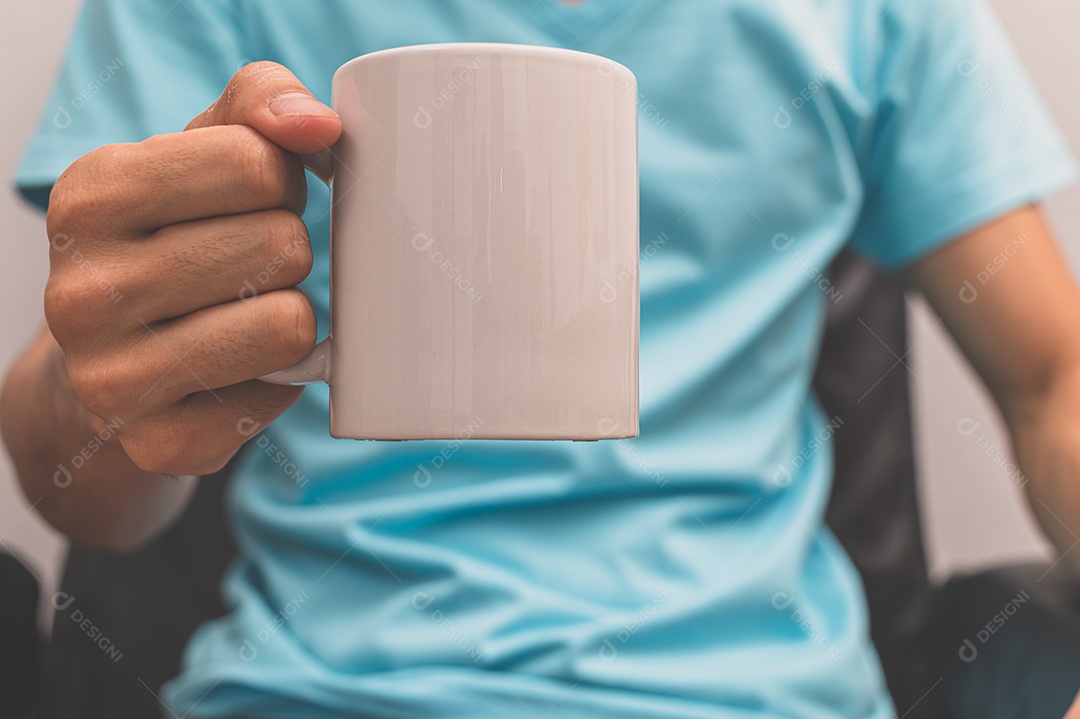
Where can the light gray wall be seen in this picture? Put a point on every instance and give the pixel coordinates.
(32, 39)
(973, 510)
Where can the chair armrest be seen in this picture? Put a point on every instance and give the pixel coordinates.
(20, 643)
(1007, 642)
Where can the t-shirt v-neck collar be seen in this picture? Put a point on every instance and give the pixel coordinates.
(575, 23)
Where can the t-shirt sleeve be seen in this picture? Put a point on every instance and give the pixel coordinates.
(961, 136)
(132, 69)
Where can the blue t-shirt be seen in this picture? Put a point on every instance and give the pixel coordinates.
(686, 573)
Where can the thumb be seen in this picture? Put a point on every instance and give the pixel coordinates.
(267, 97)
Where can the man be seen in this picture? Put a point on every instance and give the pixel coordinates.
(656, 578)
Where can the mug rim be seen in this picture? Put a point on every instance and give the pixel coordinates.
(487, 47)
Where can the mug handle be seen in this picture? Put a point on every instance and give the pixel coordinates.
(316, 366)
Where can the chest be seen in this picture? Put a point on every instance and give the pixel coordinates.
(751, 114)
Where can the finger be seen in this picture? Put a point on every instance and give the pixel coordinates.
(203, 263)
(200, 435)
(132, 189)
(231, 343)
(204, 351)
(269, 98)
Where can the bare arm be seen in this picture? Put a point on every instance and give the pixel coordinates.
(159, 317)
(70, 463)
(1020, 327)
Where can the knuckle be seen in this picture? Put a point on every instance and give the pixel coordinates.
(80, 191)
(72, 300)
(289, 246)
(289, 325)
(66, 203)
(104, 387)
(260, 166)
(257, 74)
(60, 301)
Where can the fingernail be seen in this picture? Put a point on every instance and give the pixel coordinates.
(299, 104)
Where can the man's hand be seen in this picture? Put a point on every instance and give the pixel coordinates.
(180, 226)
(163, 312)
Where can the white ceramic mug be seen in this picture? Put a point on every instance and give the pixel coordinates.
(484, 247)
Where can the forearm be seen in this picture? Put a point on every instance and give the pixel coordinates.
(70, 463)
(1021, 332)
(1046, 438)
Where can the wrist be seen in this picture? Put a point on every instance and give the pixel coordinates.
(45, 425)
